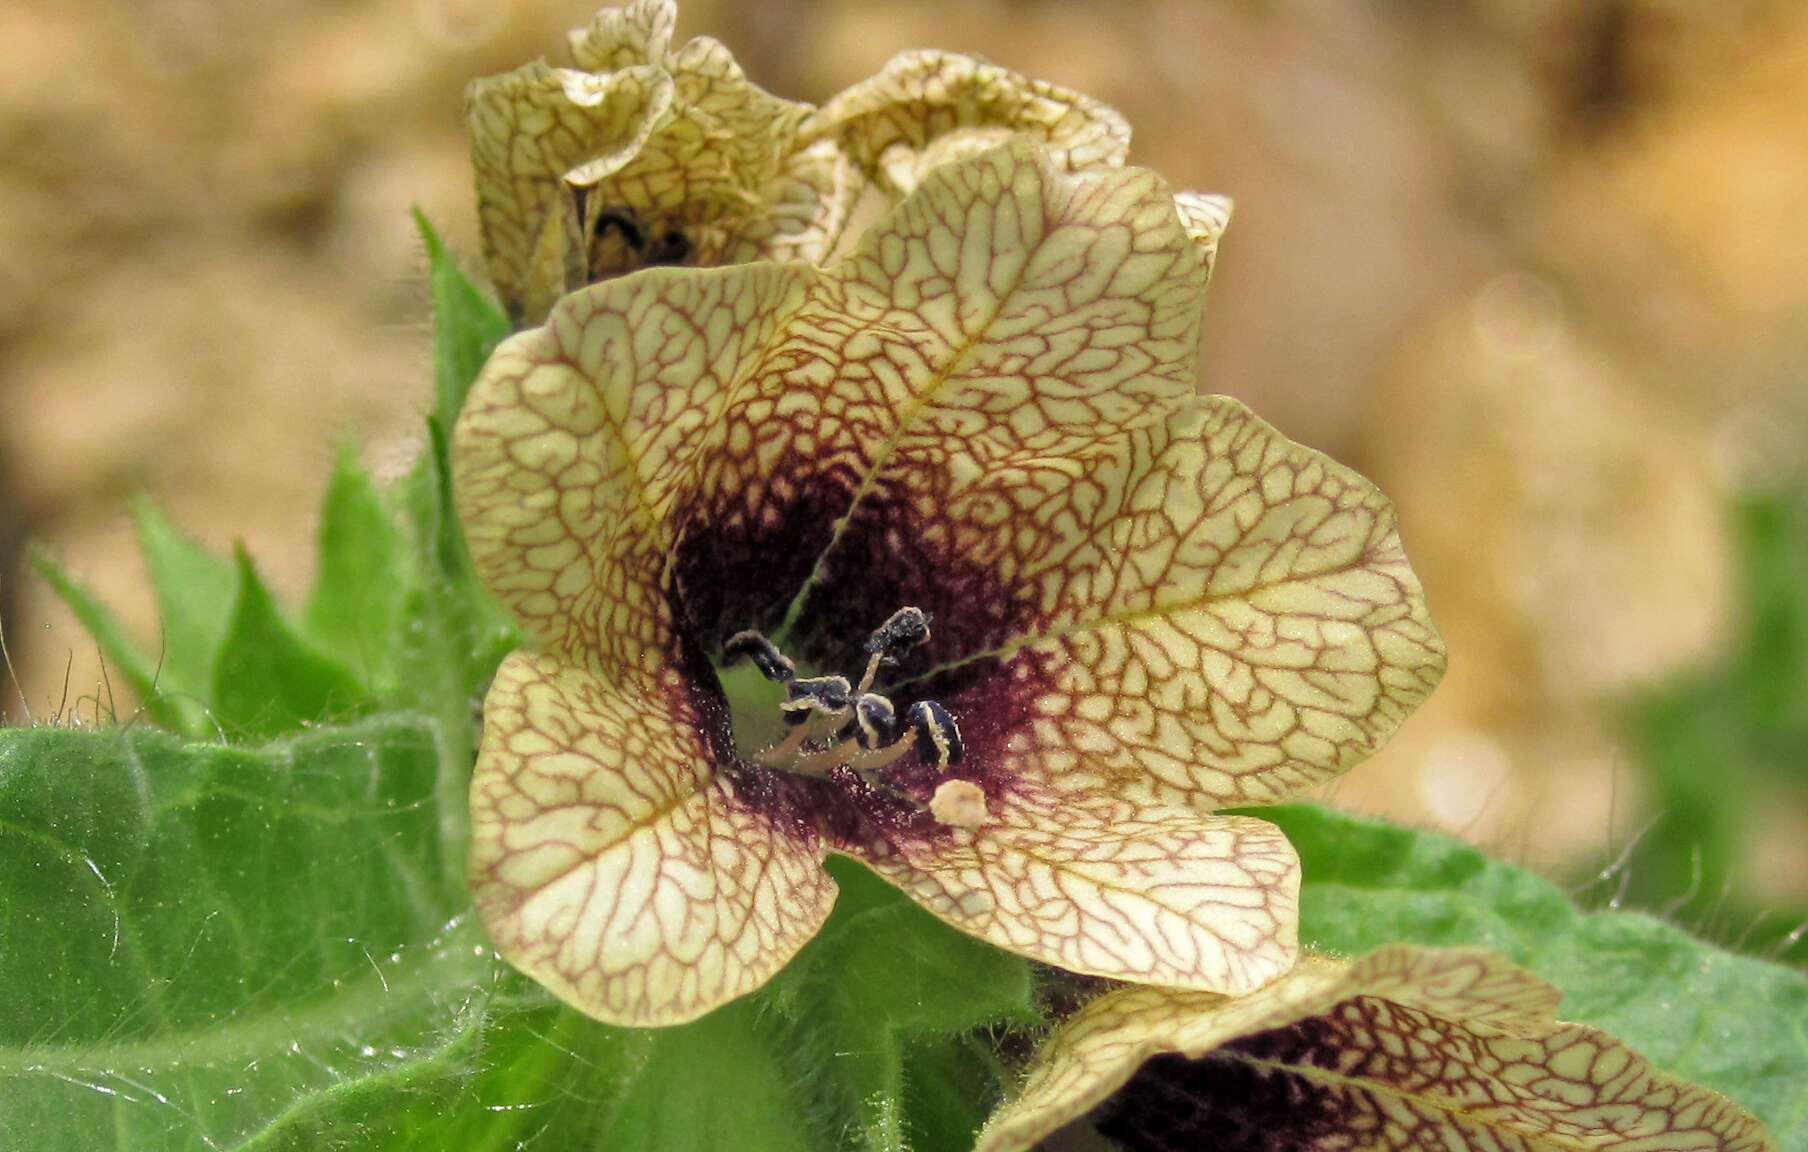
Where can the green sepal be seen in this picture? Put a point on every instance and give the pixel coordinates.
(194, 590)
(194, 595)
(268, 680)
(355, 610)
(886, 998)
(467, 326)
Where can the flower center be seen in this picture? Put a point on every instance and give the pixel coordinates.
(825, 726)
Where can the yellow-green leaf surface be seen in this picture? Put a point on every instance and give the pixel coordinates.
(1147, 605)
(1407, 1048)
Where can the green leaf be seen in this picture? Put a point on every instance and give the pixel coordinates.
(1735, 1024)
(194, 603)
(883, 1001)
(268, 681)
(355, 611)
(529, 1075)
(201, 945)
(466, 326)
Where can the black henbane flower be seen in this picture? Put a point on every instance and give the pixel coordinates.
(931, 557)
(1453, 1049)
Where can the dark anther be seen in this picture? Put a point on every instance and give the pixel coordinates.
(672, 248)
(623, 221)
(904, 630)
(874, 724)
(938, 740)
(751, 645)
(816, 696)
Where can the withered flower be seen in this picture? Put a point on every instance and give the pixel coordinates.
(931, 557)
(1407, 1048)
(645, 154)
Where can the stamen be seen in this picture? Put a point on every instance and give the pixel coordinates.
(874, 722)
(928, 730)
(751, 645)
(938, 740)
(816, 696)
(872, 726)
(784, 753)
(902, 631)
(856, 728)
(806, 700)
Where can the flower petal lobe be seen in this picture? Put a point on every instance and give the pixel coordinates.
(1164, 895)
(580, 438)
(927, 108)
(610, 864)
(1233, 609)
(528, 128)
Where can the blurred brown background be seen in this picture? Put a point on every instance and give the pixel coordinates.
(1536, 267)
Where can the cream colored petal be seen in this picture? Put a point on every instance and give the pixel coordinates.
(1408, 1048)
(1006, 304)
(1167, 896)
(1205, 217)
(608, 862)
(808, 207)
(639, 33)
(1234, 610)
(927, 108)
(528, 129)
(579, 437)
